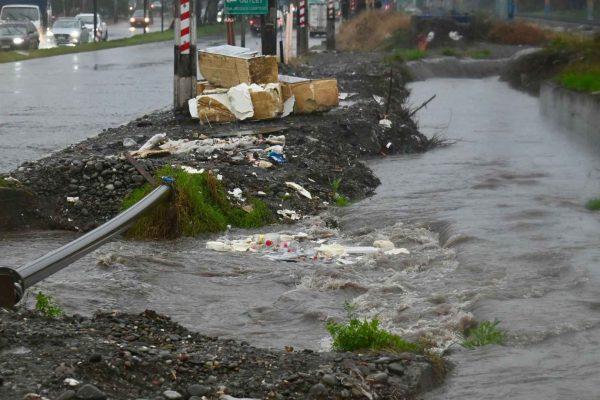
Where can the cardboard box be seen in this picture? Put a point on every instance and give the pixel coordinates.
(228, 66)
(202, 86)
(214, 107)
(267, 102)
(311, 95)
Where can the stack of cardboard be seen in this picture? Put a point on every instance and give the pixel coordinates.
(239, 84)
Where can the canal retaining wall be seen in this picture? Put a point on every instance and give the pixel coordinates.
(579, 112)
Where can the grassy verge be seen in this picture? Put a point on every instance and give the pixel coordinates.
(200, 205)
(401, 55)
(11, 56)
(364, 335)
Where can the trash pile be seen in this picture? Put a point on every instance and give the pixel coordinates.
(240, 85)
(321, 245)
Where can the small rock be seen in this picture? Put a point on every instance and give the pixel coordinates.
(68, 395)
(94, 358)
(90, 392)
(317, 390)
(380, 377)
(172, 395)
(32, 396)
(198, 390)
(110, 187)
(137, 179)
(329, 380)
(129, 142)
(396, 368)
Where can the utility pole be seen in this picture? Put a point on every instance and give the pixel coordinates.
(269, 29)
(301, 30)
(95, 11)
(185, 55)
(144, 26)
(162, 15)
(330, 25)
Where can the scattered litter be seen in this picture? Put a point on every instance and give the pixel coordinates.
(299, 189)
(388, 145)
(153, 142)
(237, 193)
(386, 123)
(277, 158)
(394, 252)
(263, 164)
(71, 382)
(191, 170)
(228, 397)
(430, 36)
(379, 100)
(276, 140)
(73, 200)
(345, 96)
(261, 193)
(219, 177)
(240, 101)
(289, 214)
(454, 35)
(129, 142)
(384, 244)
(278, 149)
(288, 106)
(193, 107)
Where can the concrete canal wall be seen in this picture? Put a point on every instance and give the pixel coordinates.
(579, 112)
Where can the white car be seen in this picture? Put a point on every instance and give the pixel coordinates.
(88, 20)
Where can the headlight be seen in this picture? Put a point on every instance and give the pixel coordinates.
(75, 34)
(18, 40)
(131, 19)
(147, 19)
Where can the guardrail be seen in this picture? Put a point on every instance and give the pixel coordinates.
(14, 282)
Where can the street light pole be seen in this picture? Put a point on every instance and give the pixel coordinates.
(95, 8)
(145, 15)
(162, 15)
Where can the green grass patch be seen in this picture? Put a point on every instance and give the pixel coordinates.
(402, 55)
(593, 204)
(7, 183)
(448, 52)
(484, 333)
(342, 201)
(199, 205)
(47, 306)
(366, 335)
(11, 56)
(587, 82)
(479, 54)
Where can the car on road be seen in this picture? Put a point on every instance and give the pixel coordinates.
(102, 29)
(18, 35)
(138, 20)
(69, 31)
(156, 6)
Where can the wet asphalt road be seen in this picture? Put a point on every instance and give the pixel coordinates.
(49, 103)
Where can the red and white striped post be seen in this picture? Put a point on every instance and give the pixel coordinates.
(185, 55)
(302, 34)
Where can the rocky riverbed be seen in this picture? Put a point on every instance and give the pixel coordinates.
(147, 356)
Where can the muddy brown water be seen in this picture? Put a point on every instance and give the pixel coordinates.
(495, 225)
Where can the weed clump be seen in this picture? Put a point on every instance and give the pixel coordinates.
(199, 205)
(593, 204)
(517, 33)
(485, 333)
(370, 30)
(340, 199)
(366, 335)
(47, 306)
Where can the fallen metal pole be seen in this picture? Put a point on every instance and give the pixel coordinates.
(13, 282)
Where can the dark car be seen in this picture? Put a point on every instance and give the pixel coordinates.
(138, 20)
(18, 35)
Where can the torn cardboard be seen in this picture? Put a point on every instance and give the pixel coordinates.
(310, 95)
(228, 66)
(214, 106)
(267, 101)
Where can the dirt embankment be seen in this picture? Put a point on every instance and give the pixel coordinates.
(123, 356)
(83, 185)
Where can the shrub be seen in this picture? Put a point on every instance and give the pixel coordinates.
(370, 30)
(366, 335)
(47, 306)
(484, 333)
(593, 204)
(516, 33)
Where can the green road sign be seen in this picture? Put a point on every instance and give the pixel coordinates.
(246, 7)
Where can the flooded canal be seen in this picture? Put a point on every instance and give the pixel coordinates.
(495, 226)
